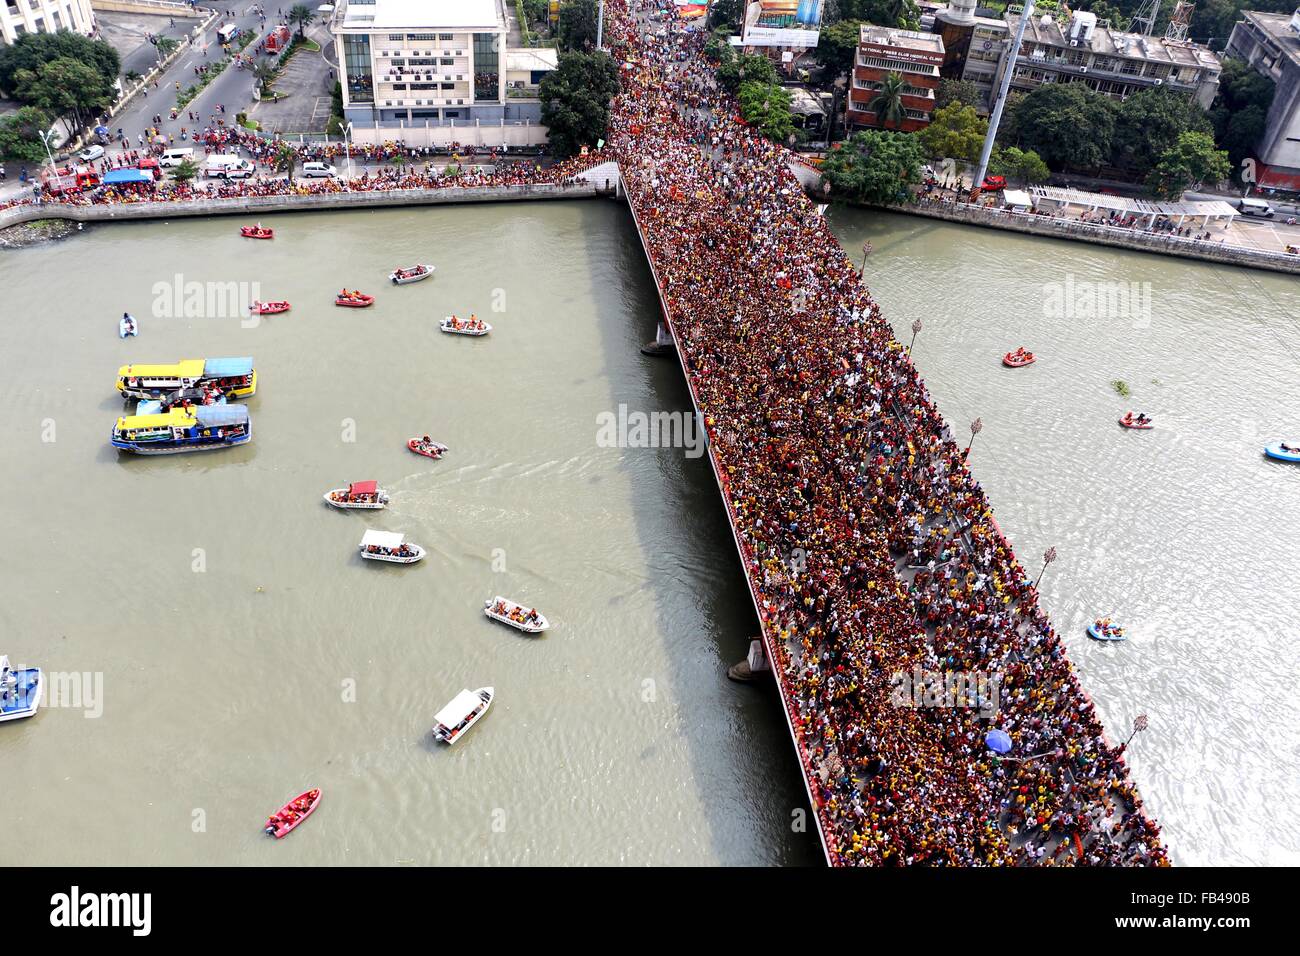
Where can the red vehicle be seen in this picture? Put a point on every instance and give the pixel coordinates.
(993, 184)
(288, 817)
(150, 166)
(278, 39)
(69, 179)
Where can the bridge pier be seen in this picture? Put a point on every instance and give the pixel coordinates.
(753, 667)
(663, 343)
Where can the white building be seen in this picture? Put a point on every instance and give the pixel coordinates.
(1270, 42)
(19, 17)
(432, 65)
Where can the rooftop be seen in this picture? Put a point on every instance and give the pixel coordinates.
(901, 39)
(423, 14)
(1108, 42)
(1283, 28)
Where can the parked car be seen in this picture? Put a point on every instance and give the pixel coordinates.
(317, 170)
(994, 184)
(92, 153)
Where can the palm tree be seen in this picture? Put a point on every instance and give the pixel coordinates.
(286, 159)
(888, 102)
(263, 75)
(302, 15)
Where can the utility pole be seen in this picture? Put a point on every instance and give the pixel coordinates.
(996, 118)
(600, 26)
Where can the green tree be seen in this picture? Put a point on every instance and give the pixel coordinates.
(578, 25)
(303, 16)
(887, 104)
(837, 45)
(957, 91)
(726, 13)
(1107, 11)
(20, 135)
(285, 159)
(749, 67)
(955, 132)
(575, 100)
(64, 87)
(1240, 109)
(767, 107)
(874, 166)
(264, 75)
(185, 170)
(1192, 161)
(165, 46)
(1148, 124)
(1019, 165)
(1067, 124)
(886, 13)
(32, 50)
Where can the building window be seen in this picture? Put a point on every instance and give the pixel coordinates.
(487, 75)
(356, 64)
(417, 37)
(445, 37)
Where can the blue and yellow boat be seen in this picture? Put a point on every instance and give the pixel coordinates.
(236, 377)
(201, 428)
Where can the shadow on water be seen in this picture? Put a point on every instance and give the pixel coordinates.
(684, 532)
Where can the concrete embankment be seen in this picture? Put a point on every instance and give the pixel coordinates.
(267, 205)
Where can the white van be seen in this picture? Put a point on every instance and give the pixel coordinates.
(314, 170)
(227, 166)
(1255, 207)
(174, 157)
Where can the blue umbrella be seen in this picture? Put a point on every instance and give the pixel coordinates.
(998, 741)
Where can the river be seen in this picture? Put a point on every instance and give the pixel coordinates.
(245, 652)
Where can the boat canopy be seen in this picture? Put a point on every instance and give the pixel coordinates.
(215, 416)
(186, 368)
(363, 487)
(464, 704)
(176, 418)
(381, 539)
(227, 367)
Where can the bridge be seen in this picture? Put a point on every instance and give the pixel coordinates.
(867, 545)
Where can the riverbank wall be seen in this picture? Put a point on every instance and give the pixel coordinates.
(256, 206)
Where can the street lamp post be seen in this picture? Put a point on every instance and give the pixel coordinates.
(975, 427)
(347, 150)
(1048, 557)
(916, 328)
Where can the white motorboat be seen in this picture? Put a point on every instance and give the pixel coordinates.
(127, 325)
(509, 612)
(389, 546)
(455, 326)
(20, 690)
(360, 495)
(464, 711)
(414, 274)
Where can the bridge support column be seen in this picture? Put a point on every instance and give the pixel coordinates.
(753, 667)
(663, 343)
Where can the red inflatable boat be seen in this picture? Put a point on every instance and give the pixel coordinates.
(268, 308)
(1018, 359)
(358, 301)
(429, 449)
(292, 813)
(252, 232)
(1134, 423)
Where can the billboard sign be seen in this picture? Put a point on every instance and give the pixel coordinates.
(782, 23)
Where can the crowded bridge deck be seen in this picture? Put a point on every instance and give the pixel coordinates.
(870, 550)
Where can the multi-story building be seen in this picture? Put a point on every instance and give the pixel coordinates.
(18, 17)
(420, 64)
(1270, 42)
(916, 57)
(1112, 62)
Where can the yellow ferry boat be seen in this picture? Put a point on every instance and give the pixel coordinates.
(236, 377)
(201, 428)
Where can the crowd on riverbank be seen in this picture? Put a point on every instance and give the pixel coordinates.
(836, 466)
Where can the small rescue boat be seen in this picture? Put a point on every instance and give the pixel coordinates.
(287, 818)
(268, 308)
(256, 232)
(427, 447)
(389, 546)
(1128, 421)
(414, 274)
(1104, 630)
(360, 495)
(528, 620)
(1018, 359)
(1281, 451)
(454, 326)
(355, 300)
(127, 325)
(464, 711)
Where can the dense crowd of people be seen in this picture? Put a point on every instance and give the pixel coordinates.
(870, 547)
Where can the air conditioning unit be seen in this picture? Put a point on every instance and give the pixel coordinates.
(1159, 82)
(1083, 69)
